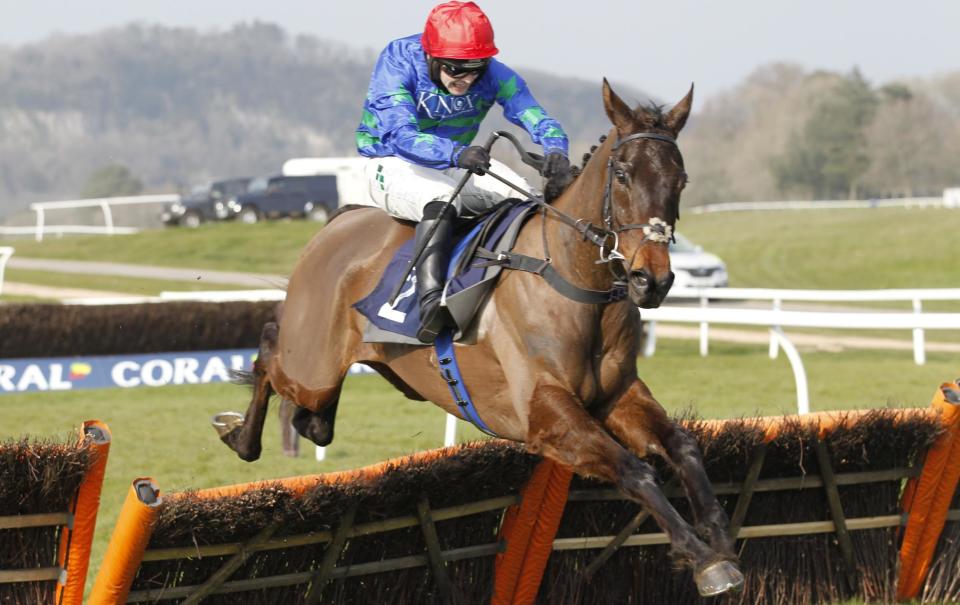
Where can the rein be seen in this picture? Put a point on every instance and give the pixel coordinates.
(657, 230)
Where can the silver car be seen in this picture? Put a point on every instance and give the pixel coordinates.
(694, 268)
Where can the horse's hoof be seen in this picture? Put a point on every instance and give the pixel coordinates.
(227, 422)
(718, 578)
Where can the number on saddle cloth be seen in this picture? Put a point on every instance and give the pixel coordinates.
(399, 322)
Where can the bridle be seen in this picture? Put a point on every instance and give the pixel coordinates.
(657, 230)
(606, 237)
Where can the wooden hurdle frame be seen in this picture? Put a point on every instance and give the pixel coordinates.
(531, 519)
(77, 524)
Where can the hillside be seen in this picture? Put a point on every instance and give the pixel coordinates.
(175, 107)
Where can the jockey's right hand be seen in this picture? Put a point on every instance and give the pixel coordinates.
(476, 159)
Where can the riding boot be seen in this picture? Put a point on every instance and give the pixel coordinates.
(432, 269)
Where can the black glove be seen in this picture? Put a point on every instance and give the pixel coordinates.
(476, 159)
(555, 164)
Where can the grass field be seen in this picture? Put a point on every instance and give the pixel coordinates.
(266, 247)
(165, 433)
(837, 249)
(111, 283)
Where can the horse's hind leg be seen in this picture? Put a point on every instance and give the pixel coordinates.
(561, 429)
(640, 422)
(289, 439)
(318, 426)
(243, 435)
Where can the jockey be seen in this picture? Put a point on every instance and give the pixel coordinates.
(427, 96)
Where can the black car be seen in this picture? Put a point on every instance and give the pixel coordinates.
(313, 197)
(207, 203)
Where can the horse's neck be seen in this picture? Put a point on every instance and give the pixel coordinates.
(573, 256)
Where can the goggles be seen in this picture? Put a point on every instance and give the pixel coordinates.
(456, 68)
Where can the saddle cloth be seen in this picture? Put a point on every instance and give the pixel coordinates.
(467, 285)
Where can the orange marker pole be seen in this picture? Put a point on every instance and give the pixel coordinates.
(927, 498)
(529, 529)
(127, 544)
(73, 555)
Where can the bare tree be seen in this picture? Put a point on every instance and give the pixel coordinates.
(908, 146)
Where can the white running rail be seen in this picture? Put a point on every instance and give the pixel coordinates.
(776, 320)
(778, 296)
(103, 203)
(901, 202)
(5, 253)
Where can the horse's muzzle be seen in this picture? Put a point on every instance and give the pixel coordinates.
(646, 291)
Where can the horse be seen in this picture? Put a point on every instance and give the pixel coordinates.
(556, 374)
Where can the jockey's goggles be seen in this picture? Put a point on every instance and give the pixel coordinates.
(456, 68)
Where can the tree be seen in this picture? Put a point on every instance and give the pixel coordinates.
(828, 156)
(909, 146)
(111, 181)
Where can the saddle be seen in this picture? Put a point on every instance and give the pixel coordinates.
(470, 276)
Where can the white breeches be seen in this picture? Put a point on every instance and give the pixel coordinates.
(403, 188)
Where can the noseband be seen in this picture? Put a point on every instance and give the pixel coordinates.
(657, 230)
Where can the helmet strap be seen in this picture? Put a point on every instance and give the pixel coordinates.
(434, 68)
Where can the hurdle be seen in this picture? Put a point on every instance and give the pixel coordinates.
(817, 503)
(50, 499)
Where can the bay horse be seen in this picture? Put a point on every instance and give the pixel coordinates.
(556, 374)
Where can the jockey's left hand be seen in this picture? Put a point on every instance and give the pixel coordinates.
(555, 164)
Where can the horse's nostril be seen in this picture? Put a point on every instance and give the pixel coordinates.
(640, 279)
(667, 282)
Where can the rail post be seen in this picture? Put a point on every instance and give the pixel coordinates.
(919, 353)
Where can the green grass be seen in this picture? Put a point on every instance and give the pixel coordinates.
(112, 283)
(267, 247)
(165, 433)
(835, 249)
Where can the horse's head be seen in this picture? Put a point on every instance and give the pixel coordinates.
(645, 176)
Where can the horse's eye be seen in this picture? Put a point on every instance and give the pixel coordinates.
(621, 175)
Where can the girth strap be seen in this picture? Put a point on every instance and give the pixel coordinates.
(450, 372)
(544, 268)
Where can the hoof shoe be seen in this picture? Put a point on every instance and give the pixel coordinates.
(718, 578)
(226, 422)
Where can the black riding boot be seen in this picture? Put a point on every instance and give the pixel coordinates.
(432, 268)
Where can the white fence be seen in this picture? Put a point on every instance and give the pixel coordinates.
(5, 253)
(776, 319)
(778, 296)
(902, 202)
(104, 203)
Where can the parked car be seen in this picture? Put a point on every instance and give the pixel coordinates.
(206, 203)
(694, 268)
(313, 197)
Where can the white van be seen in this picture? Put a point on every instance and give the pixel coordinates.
(351, 186)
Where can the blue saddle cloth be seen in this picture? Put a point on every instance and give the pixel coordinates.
(466, 283)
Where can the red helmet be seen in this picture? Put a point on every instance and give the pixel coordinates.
(458, 30)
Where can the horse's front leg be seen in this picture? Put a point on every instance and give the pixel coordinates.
(561, 429)
(641, 423)
(243, 433)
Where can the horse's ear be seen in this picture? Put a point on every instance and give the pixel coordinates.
(677, 117)
(618, 111)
